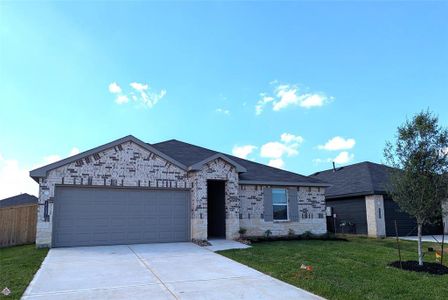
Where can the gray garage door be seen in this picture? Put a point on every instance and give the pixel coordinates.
(108, 216)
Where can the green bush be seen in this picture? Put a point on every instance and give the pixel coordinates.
(242, 231)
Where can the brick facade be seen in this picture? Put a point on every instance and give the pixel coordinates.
(311, 202)
(130, 165)
(215, 170)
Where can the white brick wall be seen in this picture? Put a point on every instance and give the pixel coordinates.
(311, 202)
(217, 169)
(130, 165)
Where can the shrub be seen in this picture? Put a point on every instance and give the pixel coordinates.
(242, 231)
(307, 235)
(267, 234)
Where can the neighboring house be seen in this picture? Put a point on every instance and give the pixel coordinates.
(18, 220)
(358, 200)
(128, 191)
(22, 199)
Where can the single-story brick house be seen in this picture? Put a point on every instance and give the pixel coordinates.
(358, 197)
(129, 191)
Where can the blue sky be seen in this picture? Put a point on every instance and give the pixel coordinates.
(332, 80)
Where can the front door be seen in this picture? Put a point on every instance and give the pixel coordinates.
(216, 208)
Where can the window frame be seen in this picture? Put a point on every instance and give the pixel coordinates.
(286, 204)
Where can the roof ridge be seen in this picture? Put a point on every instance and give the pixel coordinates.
(347, 166)
(170, 140)
(239, 158)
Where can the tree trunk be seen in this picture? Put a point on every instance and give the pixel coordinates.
(420, 252)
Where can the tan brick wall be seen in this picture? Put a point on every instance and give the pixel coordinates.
(127, 165)
(130, 165)
(376, 225)
(217, 169)
(311, 202)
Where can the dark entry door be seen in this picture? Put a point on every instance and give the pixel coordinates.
(216, 208)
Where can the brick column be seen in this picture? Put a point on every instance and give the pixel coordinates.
(376, 226)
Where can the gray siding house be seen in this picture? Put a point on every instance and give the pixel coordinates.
(129, 191)
(358, 196)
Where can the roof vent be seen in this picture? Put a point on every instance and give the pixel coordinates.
(334, 167)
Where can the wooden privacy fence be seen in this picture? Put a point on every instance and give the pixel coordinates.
(18, 225)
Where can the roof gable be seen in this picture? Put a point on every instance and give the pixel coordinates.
(42, 171)
(198, 166)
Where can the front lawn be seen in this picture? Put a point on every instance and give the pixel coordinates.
(17, 267)
(356, 269)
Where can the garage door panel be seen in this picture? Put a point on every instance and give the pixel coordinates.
(102, 216)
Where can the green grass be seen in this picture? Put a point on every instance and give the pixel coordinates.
(17, 267)
(356, 269)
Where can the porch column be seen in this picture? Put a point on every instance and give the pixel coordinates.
(232, 208)
(376, 226)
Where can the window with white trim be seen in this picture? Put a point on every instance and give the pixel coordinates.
(280, 204)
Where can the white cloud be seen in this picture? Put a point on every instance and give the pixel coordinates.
(288, 138)
(151, 99)
(243, 151)
(51, 159)
(338, 143)
(15, 179)
(277, 163)
(114, 88)
(344, 157)
(289, 95)
(122, 99)
(223, 111)
(277, 150)
(285, 95)
(288, 145)
(262, 103)
(140, 94)
(74, 151)
(321, 160)
(139, 86)
(313, 100)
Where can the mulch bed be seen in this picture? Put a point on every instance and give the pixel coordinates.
(412, 265)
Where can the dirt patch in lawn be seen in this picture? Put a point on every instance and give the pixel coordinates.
(412, 265)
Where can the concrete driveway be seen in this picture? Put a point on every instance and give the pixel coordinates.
(152, 271)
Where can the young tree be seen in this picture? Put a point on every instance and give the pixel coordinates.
(419, 181)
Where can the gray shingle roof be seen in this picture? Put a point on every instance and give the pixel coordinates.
(189, 154)
(21, 199)
(364, 178)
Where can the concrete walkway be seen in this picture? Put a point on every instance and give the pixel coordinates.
(152, 271)
(222, 244)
